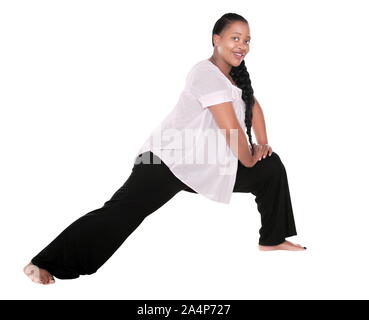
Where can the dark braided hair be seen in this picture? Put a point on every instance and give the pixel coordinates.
(239, 74)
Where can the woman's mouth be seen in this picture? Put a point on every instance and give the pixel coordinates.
(239, 56)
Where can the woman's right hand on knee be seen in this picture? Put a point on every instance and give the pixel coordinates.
(258, 155)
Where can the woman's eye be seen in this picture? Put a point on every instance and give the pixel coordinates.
(247, 41)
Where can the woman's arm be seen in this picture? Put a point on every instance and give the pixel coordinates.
(226, 119)
(258, 124)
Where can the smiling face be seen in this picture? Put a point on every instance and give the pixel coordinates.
(233, 43)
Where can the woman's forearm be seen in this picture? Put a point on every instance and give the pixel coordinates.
(239, 145)
(258, 124)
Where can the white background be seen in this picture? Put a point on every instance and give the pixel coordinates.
(83, 84)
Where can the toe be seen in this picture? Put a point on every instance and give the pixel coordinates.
(28, 269)
(50, 279)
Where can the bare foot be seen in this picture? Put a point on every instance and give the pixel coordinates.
(286, 245)
(38, 275)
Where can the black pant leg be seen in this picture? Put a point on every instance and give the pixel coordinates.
(267, 180)
(85, 245)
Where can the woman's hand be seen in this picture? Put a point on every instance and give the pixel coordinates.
(263, 150)
(257, 156)
(260, 152)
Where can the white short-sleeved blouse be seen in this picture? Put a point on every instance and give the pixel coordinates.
(190, 142)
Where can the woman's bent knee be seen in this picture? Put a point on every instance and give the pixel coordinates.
(274, 163)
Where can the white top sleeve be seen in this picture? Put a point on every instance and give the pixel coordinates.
(210, 88)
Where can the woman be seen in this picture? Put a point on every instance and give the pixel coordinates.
(217, 96)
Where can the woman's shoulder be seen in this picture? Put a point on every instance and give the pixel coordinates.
(202, 66)
(203, 71)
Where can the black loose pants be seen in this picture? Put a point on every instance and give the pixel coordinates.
(86, 244)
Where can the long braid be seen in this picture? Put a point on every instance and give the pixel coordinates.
(241, 77)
